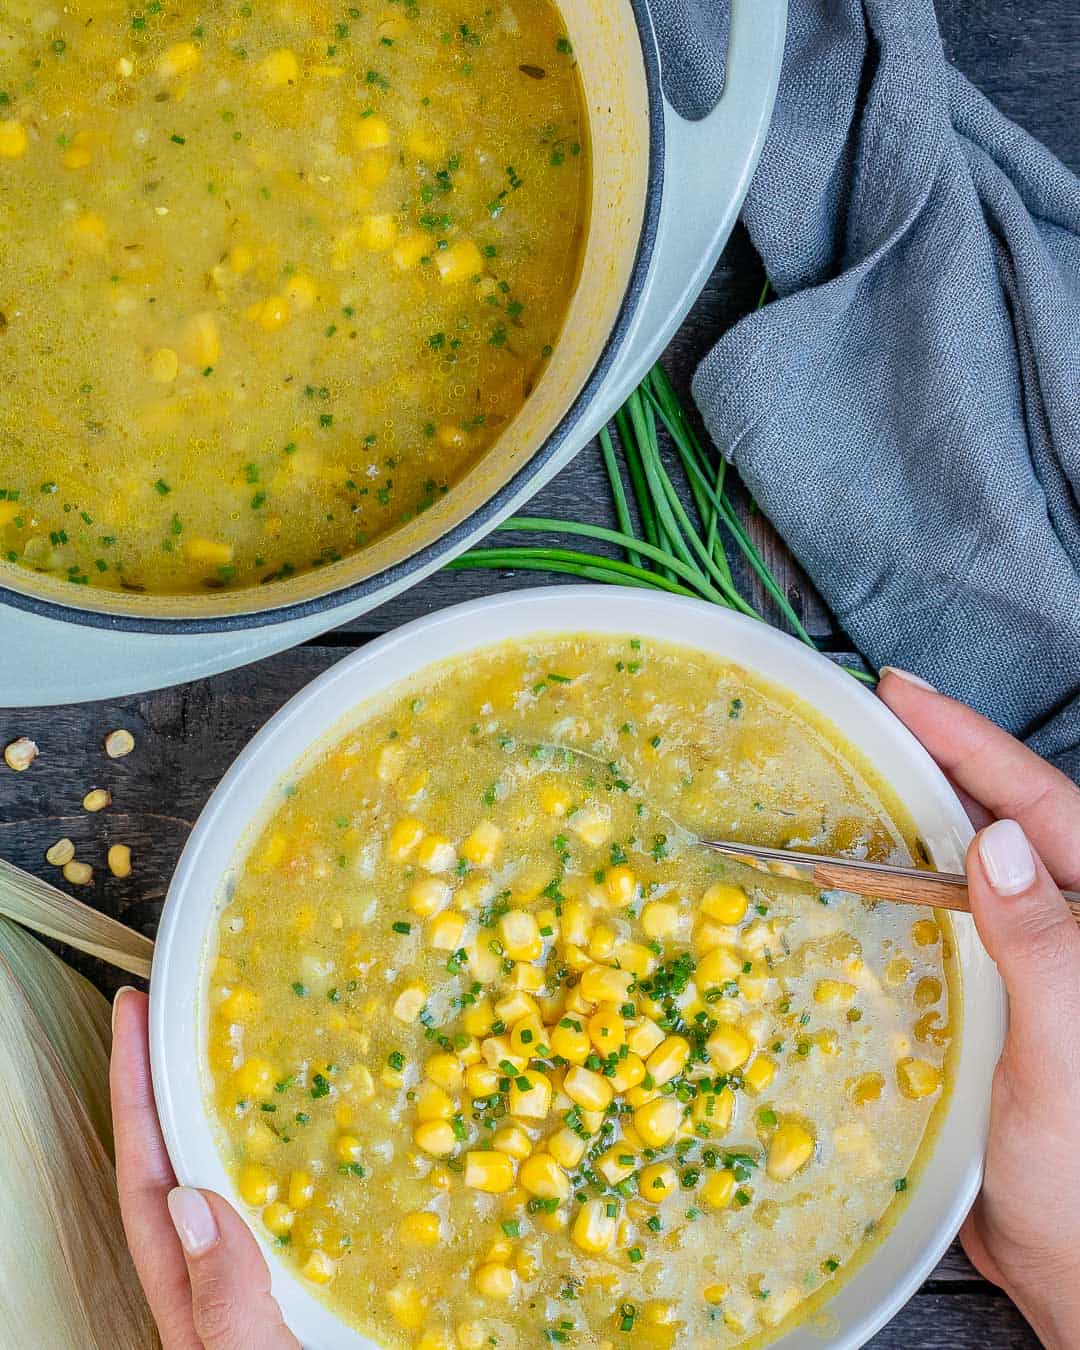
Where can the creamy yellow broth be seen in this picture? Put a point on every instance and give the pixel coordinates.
(501, 1055)
(272, 275)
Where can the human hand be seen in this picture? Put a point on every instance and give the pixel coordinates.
(205, 1278)
(1023, 1232)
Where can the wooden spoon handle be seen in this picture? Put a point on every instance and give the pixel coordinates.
(923, 889)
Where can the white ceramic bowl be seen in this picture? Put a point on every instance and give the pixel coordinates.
(950, 1178)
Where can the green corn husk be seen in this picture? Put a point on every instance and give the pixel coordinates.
(66, 1279)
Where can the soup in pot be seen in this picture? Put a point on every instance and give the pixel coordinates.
(272, 275)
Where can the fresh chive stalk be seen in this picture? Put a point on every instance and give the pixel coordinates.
(667, 550)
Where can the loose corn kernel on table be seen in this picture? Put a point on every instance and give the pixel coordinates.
(186, 737)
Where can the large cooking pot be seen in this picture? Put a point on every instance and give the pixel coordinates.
(624, 81)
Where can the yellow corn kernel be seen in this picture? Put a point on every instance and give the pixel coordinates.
(621, 885)
(714, 1293)
(410, 1002)
(432, 1103)
(513, 1141)
(790, 1149)
(925, 933)
(495, 1280)
(425, 145)
(656, 1182)
(14, 142)
(668, 1060)
(658, 1312)
(420, 1228)
(729, 1047)
(616, 1164)
(479, 1018)
(445, 931)
(541, 1175)
(758, 1075)
(554, 799)
(567, 1147)
(635, 958)
(719, 1189)
(240, 260)
(489, 1170)
(481, 1080)
(482, 846)
(445, 1071)
(255, 1078)
(867, 1088)
(917, 1077)
(408, 251)
(516, 1006)
(301, 292)
(601, 942)
(643, 1037)
(528, 1038)
(318, 1268)
(590, 1090)
(436, 854)
(279, 69)
(827, 1041)
(179, 59)
(657, 1121)
(370, 133)
(712, 1112)
(407, 1305)
(594, 1229)
(428, 895)
(92, 231)
(377, 233)
(629, 1072)
(520, 935)
(257, 1184)
(570, 1040)
(278, 1218)
(607, 1030)
(660, 918)
(835, 993)
(8, 512)
(605, 984)
(460, 262)
(348, 1149)
(725, 904)
(301, 1189)
(79, 154)
(202, 340)
(529, 978)
(240, 1005)
(164, 365)
(404, 837)
(435, 1137)
(271, 314)
(533, 1102)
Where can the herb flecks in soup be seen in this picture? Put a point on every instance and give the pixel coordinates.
(501, 1055)
(271, 276)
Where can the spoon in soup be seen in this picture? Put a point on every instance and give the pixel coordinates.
(877, 881)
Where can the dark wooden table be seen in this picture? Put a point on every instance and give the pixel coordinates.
(1024, 58)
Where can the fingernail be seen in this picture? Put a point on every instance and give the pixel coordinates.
(907, 675)
(193, 1220)
(1007, 858)
(124, 989)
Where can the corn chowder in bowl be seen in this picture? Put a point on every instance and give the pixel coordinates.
(500, 1055)
(273, 276)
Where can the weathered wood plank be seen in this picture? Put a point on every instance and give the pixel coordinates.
(962, 1321)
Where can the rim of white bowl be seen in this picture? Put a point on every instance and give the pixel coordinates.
(951, 1174)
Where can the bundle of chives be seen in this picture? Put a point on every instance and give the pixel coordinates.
(669, 551)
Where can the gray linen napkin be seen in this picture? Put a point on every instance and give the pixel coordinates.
(908, 411)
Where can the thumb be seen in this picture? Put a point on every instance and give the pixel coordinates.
(1026, 926)
(232, 1305)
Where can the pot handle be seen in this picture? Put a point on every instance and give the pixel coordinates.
(708, 164)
